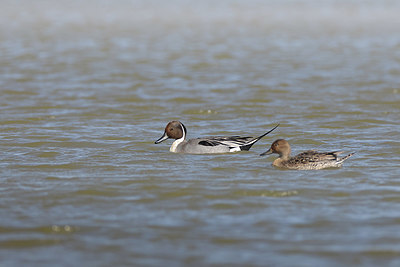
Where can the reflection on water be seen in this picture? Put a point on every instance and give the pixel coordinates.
(86, 89)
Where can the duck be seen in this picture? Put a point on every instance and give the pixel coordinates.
(308, 160)
(205, 145)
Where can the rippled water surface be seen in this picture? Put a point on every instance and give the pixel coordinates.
(86, 89)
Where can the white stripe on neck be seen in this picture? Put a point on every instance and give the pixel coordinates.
(176, 143)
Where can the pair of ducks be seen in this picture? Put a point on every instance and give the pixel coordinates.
(308, 160)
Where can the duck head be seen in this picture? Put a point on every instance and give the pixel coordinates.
(173, 130)
(281, 147)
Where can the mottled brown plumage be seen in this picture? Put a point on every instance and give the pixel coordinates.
(308, 160)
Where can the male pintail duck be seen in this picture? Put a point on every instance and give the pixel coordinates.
(308, 160)
(207, 145)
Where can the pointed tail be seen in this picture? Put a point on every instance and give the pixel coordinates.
(248, 145)
(341, 160)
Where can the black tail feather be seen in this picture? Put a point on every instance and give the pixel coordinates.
(252, 142)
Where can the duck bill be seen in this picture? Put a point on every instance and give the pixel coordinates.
(162, 138)
(268, 152)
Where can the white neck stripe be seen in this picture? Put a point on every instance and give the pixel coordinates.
(176, 143)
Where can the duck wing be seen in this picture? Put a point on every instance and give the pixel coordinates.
(314, 156)
(231, 141)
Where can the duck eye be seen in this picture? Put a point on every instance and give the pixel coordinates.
(171, 129)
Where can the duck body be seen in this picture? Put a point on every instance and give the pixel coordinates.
(205, 145)
(212, 144)
(312, 160)
(308, 160)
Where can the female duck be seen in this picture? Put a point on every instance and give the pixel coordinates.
(308, 160)
(206, 145)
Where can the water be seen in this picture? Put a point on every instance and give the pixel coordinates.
(86, 89)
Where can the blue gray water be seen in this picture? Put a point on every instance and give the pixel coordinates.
(86, 89)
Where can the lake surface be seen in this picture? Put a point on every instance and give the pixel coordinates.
(86, 89)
